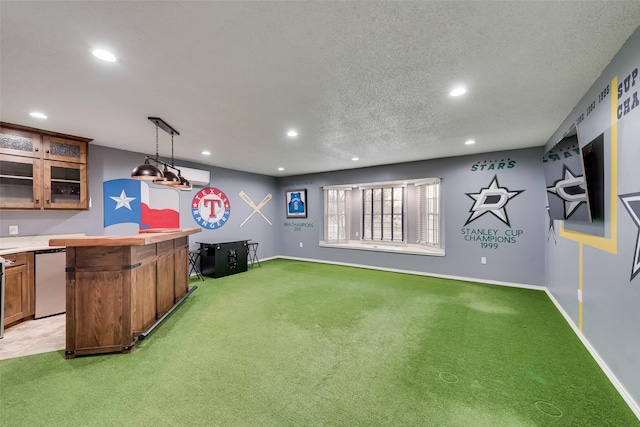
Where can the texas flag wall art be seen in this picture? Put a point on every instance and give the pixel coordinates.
(131, 200)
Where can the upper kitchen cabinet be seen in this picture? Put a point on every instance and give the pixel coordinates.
(65, 150)
(41, 169)
(65, 185)
(20, 182)
(26, 143)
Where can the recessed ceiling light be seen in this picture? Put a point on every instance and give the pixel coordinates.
(280, 169)
(470, 141)
(457, 91)
(104, 55)
(38, 115)
(206, 153)
(292, 133)
(355, 159)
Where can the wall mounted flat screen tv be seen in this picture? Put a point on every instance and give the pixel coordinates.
(593, 165)
(566, 188)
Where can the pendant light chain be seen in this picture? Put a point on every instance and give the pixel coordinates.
(172, 150)
(157, 157)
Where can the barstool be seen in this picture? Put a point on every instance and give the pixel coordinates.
(194, 258)
(253, 253)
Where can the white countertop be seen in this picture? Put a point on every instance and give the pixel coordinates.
(12, 245)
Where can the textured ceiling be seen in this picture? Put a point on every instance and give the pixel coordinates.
(357, 79)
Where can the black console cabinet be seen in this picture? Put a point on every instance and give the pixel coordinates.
(222, 259)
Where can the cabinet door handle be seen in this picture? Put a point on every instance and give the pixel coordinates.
(47, 201)
(38, 201)
(36, 150)
(47, 151)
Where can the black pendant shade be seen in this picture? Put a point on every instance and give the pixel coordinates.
(146, 172)
(184, 182)
(169, 178)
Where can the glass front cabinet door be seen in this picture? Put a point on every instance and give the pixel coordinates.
(65, 185)
(20, 142)
(20, 182)
(64, 150)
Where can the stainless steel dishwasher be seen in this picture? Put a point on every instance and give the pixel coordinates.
(50, 282)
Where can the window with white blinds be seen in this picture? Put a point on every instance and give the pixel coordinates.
(383, 214)
(428, 196)
(336, 215)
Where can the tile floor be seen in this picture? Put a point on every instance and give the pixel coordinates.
(34, 337)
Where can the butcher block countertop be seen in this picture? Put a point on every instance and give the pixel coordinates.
(144, 238)
(13, 245)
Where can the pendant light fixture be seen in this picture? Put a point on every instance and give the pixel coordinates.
(150, 172)
(147, 171)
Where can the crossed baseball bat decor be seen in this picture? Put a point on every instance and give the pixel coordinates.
(256, 209)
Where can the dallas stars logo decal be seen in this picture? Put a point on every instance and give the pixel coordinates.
(631, 203)
(551, 232)
(570, 188)
(492, 199)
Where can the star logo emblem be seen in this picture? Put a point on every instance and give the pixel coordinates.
(491, 199)
(551, 232)
(123, 200)
(571, 189)
(631, 203)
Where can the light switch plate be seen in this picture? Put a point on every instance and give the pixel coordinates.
(13, 230)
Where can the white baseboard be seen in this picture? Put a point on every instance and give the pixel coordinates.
(419, 273)
(633, 405)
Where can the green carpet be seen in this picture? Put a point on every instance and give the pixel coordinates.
(304, 344)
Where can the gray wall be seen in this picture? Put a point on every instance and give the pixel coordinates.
(520, 262)
(106, 164)
(610, 298)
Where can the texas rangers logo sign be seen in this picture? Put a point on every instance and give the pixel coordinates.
(210, 208)
(492, 199)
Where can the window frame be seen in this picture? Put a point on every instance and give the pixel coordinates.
(342, 211)
(413, 218)
(429, 227)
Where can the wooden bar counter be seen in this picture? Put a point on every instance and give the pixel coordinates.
(121, 287)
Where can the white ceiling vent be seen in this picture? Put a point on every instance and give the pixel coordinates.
(197, 177)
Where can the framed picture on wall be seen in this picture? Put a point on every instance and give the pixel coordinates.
(296, 203)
